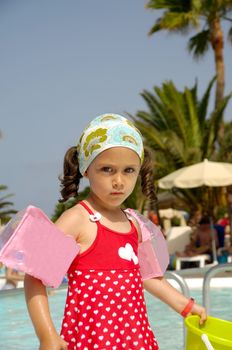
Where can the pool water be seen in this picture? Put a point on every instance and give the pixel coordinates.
(17, 333)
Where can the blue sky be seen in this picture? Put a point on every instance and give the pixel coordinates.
(64, 62)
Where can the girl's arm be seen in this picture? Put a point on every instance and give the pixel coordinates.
(36, 295)
(162, 289)
(37, 303)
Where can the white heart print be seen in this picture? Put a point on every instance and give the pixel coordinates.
(128, 253)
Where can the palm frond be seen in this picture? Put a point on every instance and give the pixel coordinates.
(5, 214)
(229, 36)
(5, 204)
(191, 109)
(8, 212)
(156, 108)
(175, 22)
(5, 197)
(225, 151)
(212, 126)
(151, 135)
(171, 5)
(203, 103)
(199, 43)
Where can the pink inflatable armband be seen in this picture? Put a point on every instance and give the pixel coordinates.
(31, 243)
(152, 251)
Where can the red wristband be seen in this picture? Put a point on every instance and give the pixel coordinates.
(188, 307)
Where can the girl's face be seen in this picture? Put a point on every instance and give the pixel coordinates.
(112, 175)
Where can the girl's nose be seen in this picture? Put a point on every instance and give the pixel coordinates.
(117, 182)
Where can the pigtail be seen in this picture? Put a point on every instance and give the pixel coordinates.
(147, 180)
(71, 175)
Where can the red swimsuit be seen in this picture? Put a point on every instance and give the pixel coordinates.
(105, 307)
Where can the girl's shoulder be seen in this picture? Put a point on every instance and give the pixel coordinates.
(72, 220)
(135, 222)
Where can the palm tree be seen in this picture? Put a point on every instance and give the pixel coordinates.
(5, 212)
(206, 18)
(179, 131)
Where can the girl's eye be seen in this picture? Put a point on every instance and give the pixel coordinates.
(107, 169)
(129, 170)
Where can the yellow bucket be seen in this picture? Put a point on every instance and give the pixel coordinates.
(218, 332)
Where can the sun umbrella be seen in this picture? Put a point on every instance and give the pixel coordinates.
(212, 174)
(206, 173)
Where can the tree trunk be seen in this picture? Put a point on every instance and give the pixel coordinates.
(217, 42)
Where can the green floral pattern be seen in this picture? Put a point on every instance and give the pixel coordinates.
(130, 139)
(93, 141)
(108, 117)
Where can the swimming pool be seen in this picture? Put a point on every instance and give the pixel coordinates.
(17, 333)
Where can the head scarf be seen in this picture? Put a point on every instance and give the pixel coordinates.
(104, 132)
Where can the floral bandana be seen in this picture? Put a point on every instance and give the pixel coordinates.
(104, 132)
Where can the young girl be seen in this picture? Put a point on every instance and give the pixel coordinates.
(105, 307)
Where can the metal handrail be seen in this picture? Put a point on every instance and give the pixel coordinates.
(180, 280)
(190, 272)
(206, 282)
(185, 290)
(209, 271)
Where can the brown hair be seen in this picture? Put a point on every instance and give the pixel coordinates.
(147, 180)
(71, 175)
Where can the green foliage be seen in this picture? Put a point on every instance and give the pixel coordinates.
(225, 150)
(175, 221)
(61, 207)
(205, 18)
(179, 130)
(177, 125)
(5, 212)
(179, 15)
(199, 43)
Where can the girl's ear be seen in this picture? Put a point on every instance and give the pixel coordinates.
(85, 174)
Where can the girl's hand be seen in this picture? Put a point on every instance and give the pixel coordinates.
(200, 311)
(53, 343)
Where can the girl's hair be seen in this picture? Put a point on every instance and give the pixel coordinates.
(71, 175)
(147, 180)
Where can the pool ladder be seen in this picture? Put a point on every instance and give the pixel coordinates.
(213, 271)
(210, 273)
(184, 289)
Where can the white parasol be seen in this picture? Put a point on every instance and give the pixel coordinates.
(212, 174)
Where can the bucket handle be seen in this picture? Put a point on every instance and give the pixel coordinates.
(206, 341)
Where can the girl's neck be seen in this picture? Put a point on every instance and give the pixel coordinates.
(99, 206)
(109, 216)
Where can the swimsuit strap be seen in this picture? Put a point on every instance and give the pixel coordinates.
(94, 217)
(86, 207)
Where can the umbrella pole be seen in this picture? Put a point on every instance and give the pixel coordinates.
(214, 249)
(211, 204)
(229, 202)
